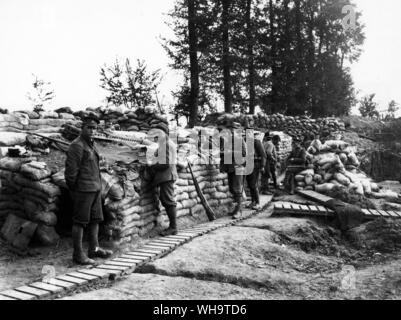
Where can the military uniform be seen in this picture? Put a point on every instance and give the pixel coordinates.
(161, 177)
(82, 175)
(296, 163)
(235, 171)
(253, 178)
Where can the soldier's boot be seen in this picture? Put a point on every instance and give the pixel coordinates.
(237, 213)
(172, 216)
(78, 256)
(94, 249)
(256, 205)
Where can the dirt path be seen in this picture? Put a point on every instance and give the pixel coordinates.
(265, 258)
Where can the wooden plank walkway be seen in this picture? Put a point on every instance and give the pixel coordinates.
(293, 209)
(124, 264)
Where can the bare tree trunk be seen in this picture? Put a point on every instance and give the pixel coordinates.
(251, 63)
(226, 58)
(273, 57)
(194, 65)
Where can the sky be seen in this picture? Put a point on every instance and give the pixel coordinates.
(66, 42)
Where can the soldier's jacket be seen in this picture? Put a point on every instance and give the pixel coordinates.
(298, 156)
(260, 154)
(233, 154)
(82, 170)
(164, 172)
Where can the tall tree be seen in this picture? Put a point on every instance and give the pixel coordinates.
(225, 24)
(251, 63)
(194, 65)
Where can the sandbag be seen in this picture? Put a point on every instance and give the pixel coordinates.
(299, 178)
(46, 217)
(307, 172)
(12, 138)
(317, 178)
(323, 188)
(32, 172)
(116, 192)
(46, 235)
(48, 188)
(308, 179)
(342, 179)
(324, 158)
(336, 144)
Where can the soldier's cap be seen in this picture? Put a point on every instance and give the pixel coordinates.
(90, 119)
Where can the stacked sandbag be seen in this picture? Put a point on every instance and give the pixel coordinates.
(139, 212)
(294, 126)
(28, 192)
(143, 119)
(13, 122)
(334, 164)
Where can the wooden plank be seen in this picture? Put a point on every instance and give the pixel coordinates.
(82, 276)
(375, 213)
(149, 255)
(130, 261)
(366, 212)
(287, 206)
(158, 244)
(101, 274)
(397, 214)
(304, 208)
(120, 264)
(118, 269)
(168, 242)
(61, 283)
(46, 286)
(392, 214)
(17, 295)
(33, 291)
(154, 252)
(4, 298)
(135, 257)
(75, 280)
(384, 213)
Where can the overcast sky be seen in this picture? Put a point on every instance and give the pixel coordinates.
(67, 41)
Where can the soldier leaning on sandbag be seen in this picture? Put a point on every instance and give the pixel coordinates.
(82, 175)
(235, 171)
(162, 175)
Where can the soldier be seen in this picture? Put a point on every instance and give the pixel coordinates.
(234, 170)
(296, 163)
(258, 168)
(162, 176)
(82, 175)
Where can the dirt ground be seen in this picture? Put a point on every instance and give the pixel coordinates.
(264, 257)
(273, 258)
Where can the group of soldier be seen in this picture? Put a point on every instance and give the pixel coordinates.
(82, 175)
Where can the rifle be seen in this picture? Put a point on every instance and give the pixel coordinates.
(48, 138)
(209, 211)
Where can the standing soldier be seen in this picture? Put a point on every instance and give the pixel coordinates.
(271, 162)
(235, 171)
(82, 175)
(258, 167)
(296, 163)
(162, 176)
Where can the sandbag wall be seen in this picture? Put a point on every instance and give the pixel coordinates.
(140, 212)
(335, 164)
(28, 192)
(293, 126)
